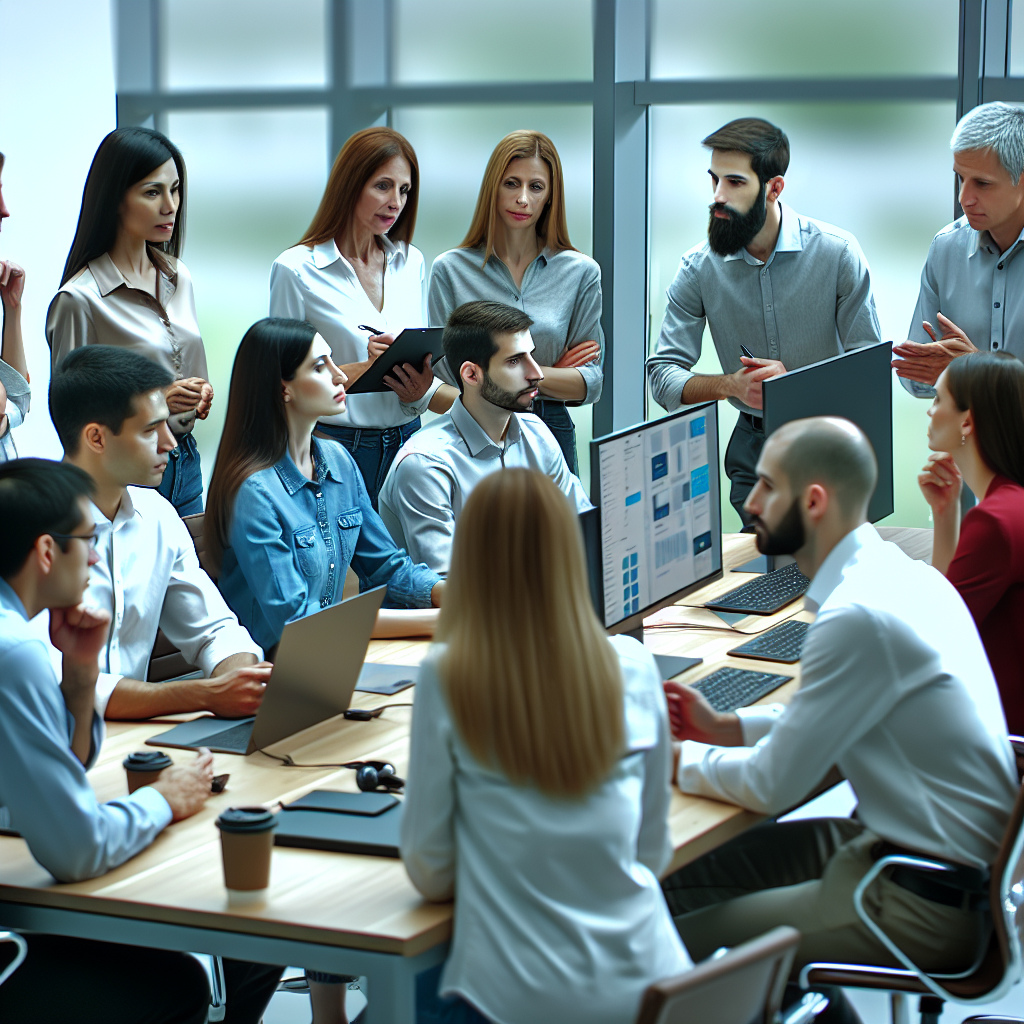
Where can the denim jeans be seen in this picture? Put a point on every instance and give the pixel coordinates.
(373, 450)
(432, 1008)
(560, 423)
(741, 455)
(182, 484)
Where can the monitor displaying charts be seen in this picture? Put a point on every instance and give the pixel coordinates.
(661, 522)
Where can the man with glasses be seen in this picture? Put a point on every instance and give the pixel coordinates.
(110, 413)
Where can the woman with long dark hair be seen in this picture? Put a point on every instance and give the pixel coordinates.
(517, 251)
(539, 779)
(124, 284)
(976, 433)
(356, 273)
(287, 513)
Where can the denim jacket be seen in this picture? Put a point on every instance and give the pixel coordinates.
(292, 541)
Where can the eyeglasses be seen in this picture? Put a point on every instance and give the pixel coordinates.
(89, 538)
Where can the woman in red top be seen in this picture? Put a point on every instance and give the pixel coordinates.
(977, 435)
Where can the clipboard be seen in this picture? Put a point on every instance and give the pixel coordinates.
(411, 346)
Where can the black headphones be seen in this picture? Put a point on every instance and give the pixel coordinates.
(377, 776)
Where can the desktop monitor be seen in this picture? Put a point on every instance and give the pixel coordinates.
(660, 519)
(857, 386)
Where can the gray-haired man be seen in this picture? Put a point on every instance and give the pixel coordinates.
(972, 285)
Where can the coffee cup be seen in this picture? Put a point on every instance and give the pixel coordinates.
(246, 842)
(143, 768)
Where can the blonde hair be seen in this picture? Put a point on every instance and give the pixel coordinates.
(552, 229)
(534, 686)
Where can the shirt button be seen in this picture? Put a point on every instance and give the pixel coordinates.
(332, 565)
(319, 494)
(995, 345)
(996, 305)
(1000, 266)
(767, 307)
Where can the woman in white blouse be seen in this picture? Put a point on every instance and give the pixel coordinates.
(538, 783)
(357, 278)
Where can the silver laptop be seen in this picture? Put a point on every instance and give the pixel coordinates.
(316, 670)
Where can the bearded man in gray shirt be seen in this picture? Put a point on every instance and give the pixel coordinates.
(788, 289)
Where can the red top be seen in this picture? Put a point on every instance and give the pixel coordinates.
(988, 571)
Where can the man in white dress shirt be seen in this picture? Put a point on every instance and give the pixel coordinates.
(489, 428)
(108, 407)
(896, 693)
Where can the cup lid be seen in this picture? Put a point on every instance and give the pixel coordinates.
(247, 819)
(147, 761)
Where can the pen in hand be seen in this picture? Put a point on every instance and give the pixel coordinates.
(746, 351)
(367, 327)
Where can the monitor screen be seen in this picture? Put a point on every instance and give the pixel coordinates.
(857, 386)
(656, 485)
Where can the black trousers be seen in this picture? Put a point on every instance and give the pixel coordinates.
(81, 981)
(741, 455)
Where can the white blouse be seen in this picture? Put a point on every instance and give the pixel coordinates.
(558, 912)
(321, 286)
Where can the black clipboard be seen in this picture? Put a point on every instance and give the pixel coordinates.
(411, 346)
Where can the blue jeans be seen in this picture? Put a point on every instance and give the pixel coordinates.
(373, 450)
(432, 1008)
(182, 484)
(560, 423)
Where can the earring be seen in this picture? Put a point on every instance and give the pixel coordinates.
(963, 440)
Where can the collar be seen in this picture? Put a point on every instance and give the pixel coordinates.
(126, 511)
(830, 574)
(326, 253)
(476, 438)
(9, 599)
(294, 481)
(108, 277)
(790, 238)
(983, 240)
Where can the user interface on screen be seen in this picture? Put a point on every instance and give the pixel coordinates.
(661, 523)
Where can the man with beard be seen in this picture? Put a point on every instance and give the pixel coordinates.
(789, 289)
(894, 679)
(489, 428)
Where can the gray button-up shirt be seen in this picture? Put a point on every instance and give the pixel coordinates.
(561, 291)
(810, 300)
(981, 290)
(437, 468)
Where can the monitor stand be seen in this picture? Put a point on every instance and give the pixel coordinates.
(765, 563)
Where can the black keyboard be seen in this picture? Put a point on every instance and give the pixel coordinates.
(783, 642)
(764, 594)
(732, 688)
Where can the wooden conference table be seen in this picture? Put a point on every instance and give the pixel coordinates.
(335, 912)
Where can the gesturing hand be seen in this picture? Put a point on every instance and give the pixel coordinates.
(409, 383)
(940, 482)
(187, 788)
(12, 283)
(691, 717)
(79, 633)
(186, 394)
(579, 355)
(239, 692)
(924, 361)
(747, 380)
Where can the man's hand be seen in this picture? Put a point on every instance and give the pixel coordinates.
(940, 483)
(12, 283)
(924, 361)
(579, 355)
(238, 692)
(377, 345)
(205, 400)
(186, 394)
(746, 382)
(187, 788)
(692, 718)
(79, 633)
(410, 384)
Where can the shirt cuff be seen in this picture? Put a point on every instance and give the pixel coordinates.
(419, 407)
(105, 683)
(667, 387)
(154, 805)
(593, 377)
(694, 759)
(224, 644)
(757, 722)
(917, 389)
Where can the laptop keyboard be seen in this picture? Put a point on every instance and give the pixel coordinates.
(783, 642)
(732, 688)
(764, 594)
(237, 736)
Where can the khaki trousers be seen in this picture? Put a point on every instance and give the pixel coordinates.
(804, 874)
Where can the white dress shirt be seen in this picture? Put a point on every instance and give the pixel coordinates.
(437, 468)
(897, 692)
(558, 912)
(148, 576)
(321, 286)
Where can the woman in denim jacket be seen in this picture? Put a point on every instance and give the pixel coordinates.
(286, 515)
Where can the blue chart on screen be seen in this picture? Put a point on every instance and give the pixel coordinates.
(661, 506)
(632, 499)
(698, 426)
(699, 481)
(659, 466)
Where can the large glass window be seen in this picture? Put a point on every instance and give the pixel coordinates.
(881, 171)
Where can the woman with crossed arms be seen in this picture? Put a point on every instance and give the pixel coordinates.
(517, 251)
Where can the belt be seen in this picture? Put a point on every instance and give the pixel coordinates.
(950, 888)
(757, 422)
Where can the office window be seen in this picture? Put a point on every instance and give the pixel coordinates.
(470, 41)
(255, 178)
(794, 38)
(880, 171)
(233, 44)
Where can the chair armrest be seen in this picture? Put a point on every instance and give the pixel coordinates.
(806, 1010)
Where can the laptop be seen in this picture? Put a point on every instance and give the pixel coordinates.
(318, 664)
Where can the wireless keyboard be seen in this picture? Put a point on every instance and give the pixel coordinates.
(732, 688)
(783, 642)
(764, 594)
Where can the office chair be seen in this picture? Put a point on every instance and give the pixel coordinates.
(19, 957)
(743, 986)
(997, 969)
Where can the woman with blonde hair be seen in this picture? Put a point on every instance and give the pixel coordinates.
(538, 786)
(358, 279)
(517, 251)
